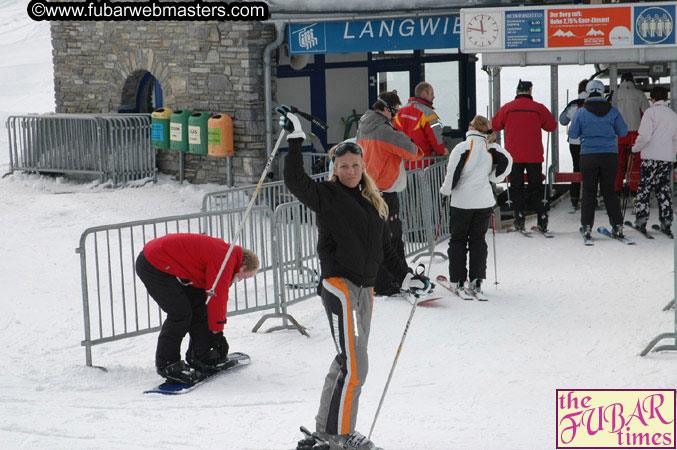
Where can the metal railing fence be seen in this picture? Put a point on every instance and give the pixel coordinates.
(115, 147)
(115, 302)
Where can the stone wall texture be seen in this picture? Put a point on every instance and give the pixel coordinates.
(202, 66)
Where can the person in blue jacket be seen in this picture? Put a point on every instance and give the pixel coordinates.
(598, 124)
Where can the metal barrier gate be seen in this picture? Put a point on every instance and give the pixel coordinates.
(115, 147)
(115, 302)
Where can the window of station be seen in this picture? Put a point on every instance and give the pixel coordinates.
(395, 81)
(444, 77)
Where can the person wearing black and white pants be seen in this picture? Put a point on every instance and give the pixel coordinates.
(352, 243)
(473, 165)
(657, 142)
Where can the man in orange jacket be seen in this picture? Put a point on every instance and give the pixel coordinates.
(385, 150)
(418, 120)
(177, 269)
(523, 119)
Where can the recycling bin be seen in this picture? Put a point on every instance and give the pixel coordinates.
(220, 129)
(178, 130)
(159, 128)
(197, 133)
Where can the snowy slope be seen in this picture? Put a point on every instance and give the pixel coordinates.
(471, 376)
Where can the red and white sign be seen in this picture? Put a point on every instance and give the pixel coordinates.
(589, 27)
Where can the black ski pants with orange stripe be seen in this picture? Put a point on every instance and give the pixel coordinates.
(349, 309)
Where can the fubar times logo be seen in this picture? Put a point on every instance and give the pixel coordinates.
(615, 419)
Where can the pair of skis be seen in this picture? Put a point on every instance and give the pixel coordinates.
(605, 232)
(525, 233)
(464, 293)
(646, 234)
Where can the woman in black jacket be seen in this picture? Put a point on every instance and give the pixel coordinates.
(352, 243)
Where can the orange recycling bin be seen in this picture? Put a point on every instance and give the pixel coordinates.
(220, 129)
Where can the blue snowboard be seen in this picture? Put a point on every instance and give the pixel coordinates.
(172, 388)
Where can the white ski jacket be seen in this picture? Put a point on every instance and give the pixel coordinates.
(657, 137)
(631, 103)
(473, 165)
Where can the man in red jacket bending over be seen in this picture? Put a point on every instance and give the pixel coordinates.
(177, 270)
(522, 119)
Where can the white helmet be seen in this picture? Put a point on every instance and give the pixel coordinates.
(594, 86)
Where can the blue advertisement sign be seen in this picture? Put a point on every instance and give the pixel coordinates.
(375, 35)
(654, 25)
(525, 29)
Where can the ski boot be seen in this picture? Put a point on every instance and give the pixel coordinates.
(587, 232)
(352, 441)
(617, 231)
(213, 359)
(519, 221)
(666, 227)
(640, 224)
(543, 222)
(475, 285)
(179, 372)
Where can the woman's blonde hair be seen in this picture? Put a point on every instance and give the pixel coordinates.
(483, 125)
(369, 189)
(250, 259)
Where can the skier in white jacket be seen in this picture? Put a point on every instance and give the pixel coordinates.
(657, 142)
(473, 165)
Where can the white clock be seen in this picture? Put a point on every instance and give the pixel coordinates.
(481, 30)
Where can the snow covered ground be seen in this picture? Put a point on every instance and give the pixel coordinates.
(471, 376)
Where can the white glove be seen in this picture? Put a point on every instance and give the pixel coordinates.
(291, 123)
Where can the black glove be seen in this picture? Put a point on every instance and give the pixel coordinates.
(290, 122)
(220, 343)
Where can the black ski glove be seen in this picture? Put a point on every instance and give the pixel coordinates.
(220, 343)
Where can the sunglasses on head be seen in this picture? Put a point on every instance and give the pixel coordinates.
(346, 147)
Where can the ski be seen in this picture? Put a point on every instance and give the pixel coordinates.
(312, 441)
(444, 282)
(524, 233)
(658, 228)
(632, 225)
(480, 296)
(236, 359)
(545, 233)
(607, 233)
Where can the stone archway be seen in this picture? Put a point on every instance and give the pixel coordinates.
(141, 93)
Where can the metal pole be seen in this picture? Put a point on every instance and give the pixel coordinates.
(554, 107)
(493, 239)
(392, 369)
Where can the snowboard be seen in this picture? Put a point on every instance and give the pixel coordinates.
(235, 360)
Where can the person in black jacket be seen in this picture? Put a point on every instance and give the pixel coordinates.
(352, 244)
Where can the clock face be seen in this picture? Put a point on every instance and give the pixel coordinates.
(482, 30)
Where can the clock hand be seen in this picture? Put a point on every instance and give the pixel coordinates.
(482, 26)
(474, 29)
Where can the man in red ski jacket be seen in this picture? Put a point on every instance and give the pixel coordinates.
(177, 270)
(418, 120)
(523, 119)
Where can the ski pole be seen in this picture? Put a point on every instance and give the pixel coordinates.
(547, 171)
(493, 239)
(210, 292)
(626, 184)
(392, 369)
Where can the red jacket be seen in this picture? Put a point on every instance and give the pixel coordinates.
(418, 120)
(523, 119)
(198, 258)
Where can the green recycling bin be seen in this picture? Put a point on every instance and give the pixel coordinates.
(198, 141)
(178, 130)
(159, 128)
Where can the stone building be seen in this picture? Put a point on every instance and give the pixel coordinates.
(110, 67)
